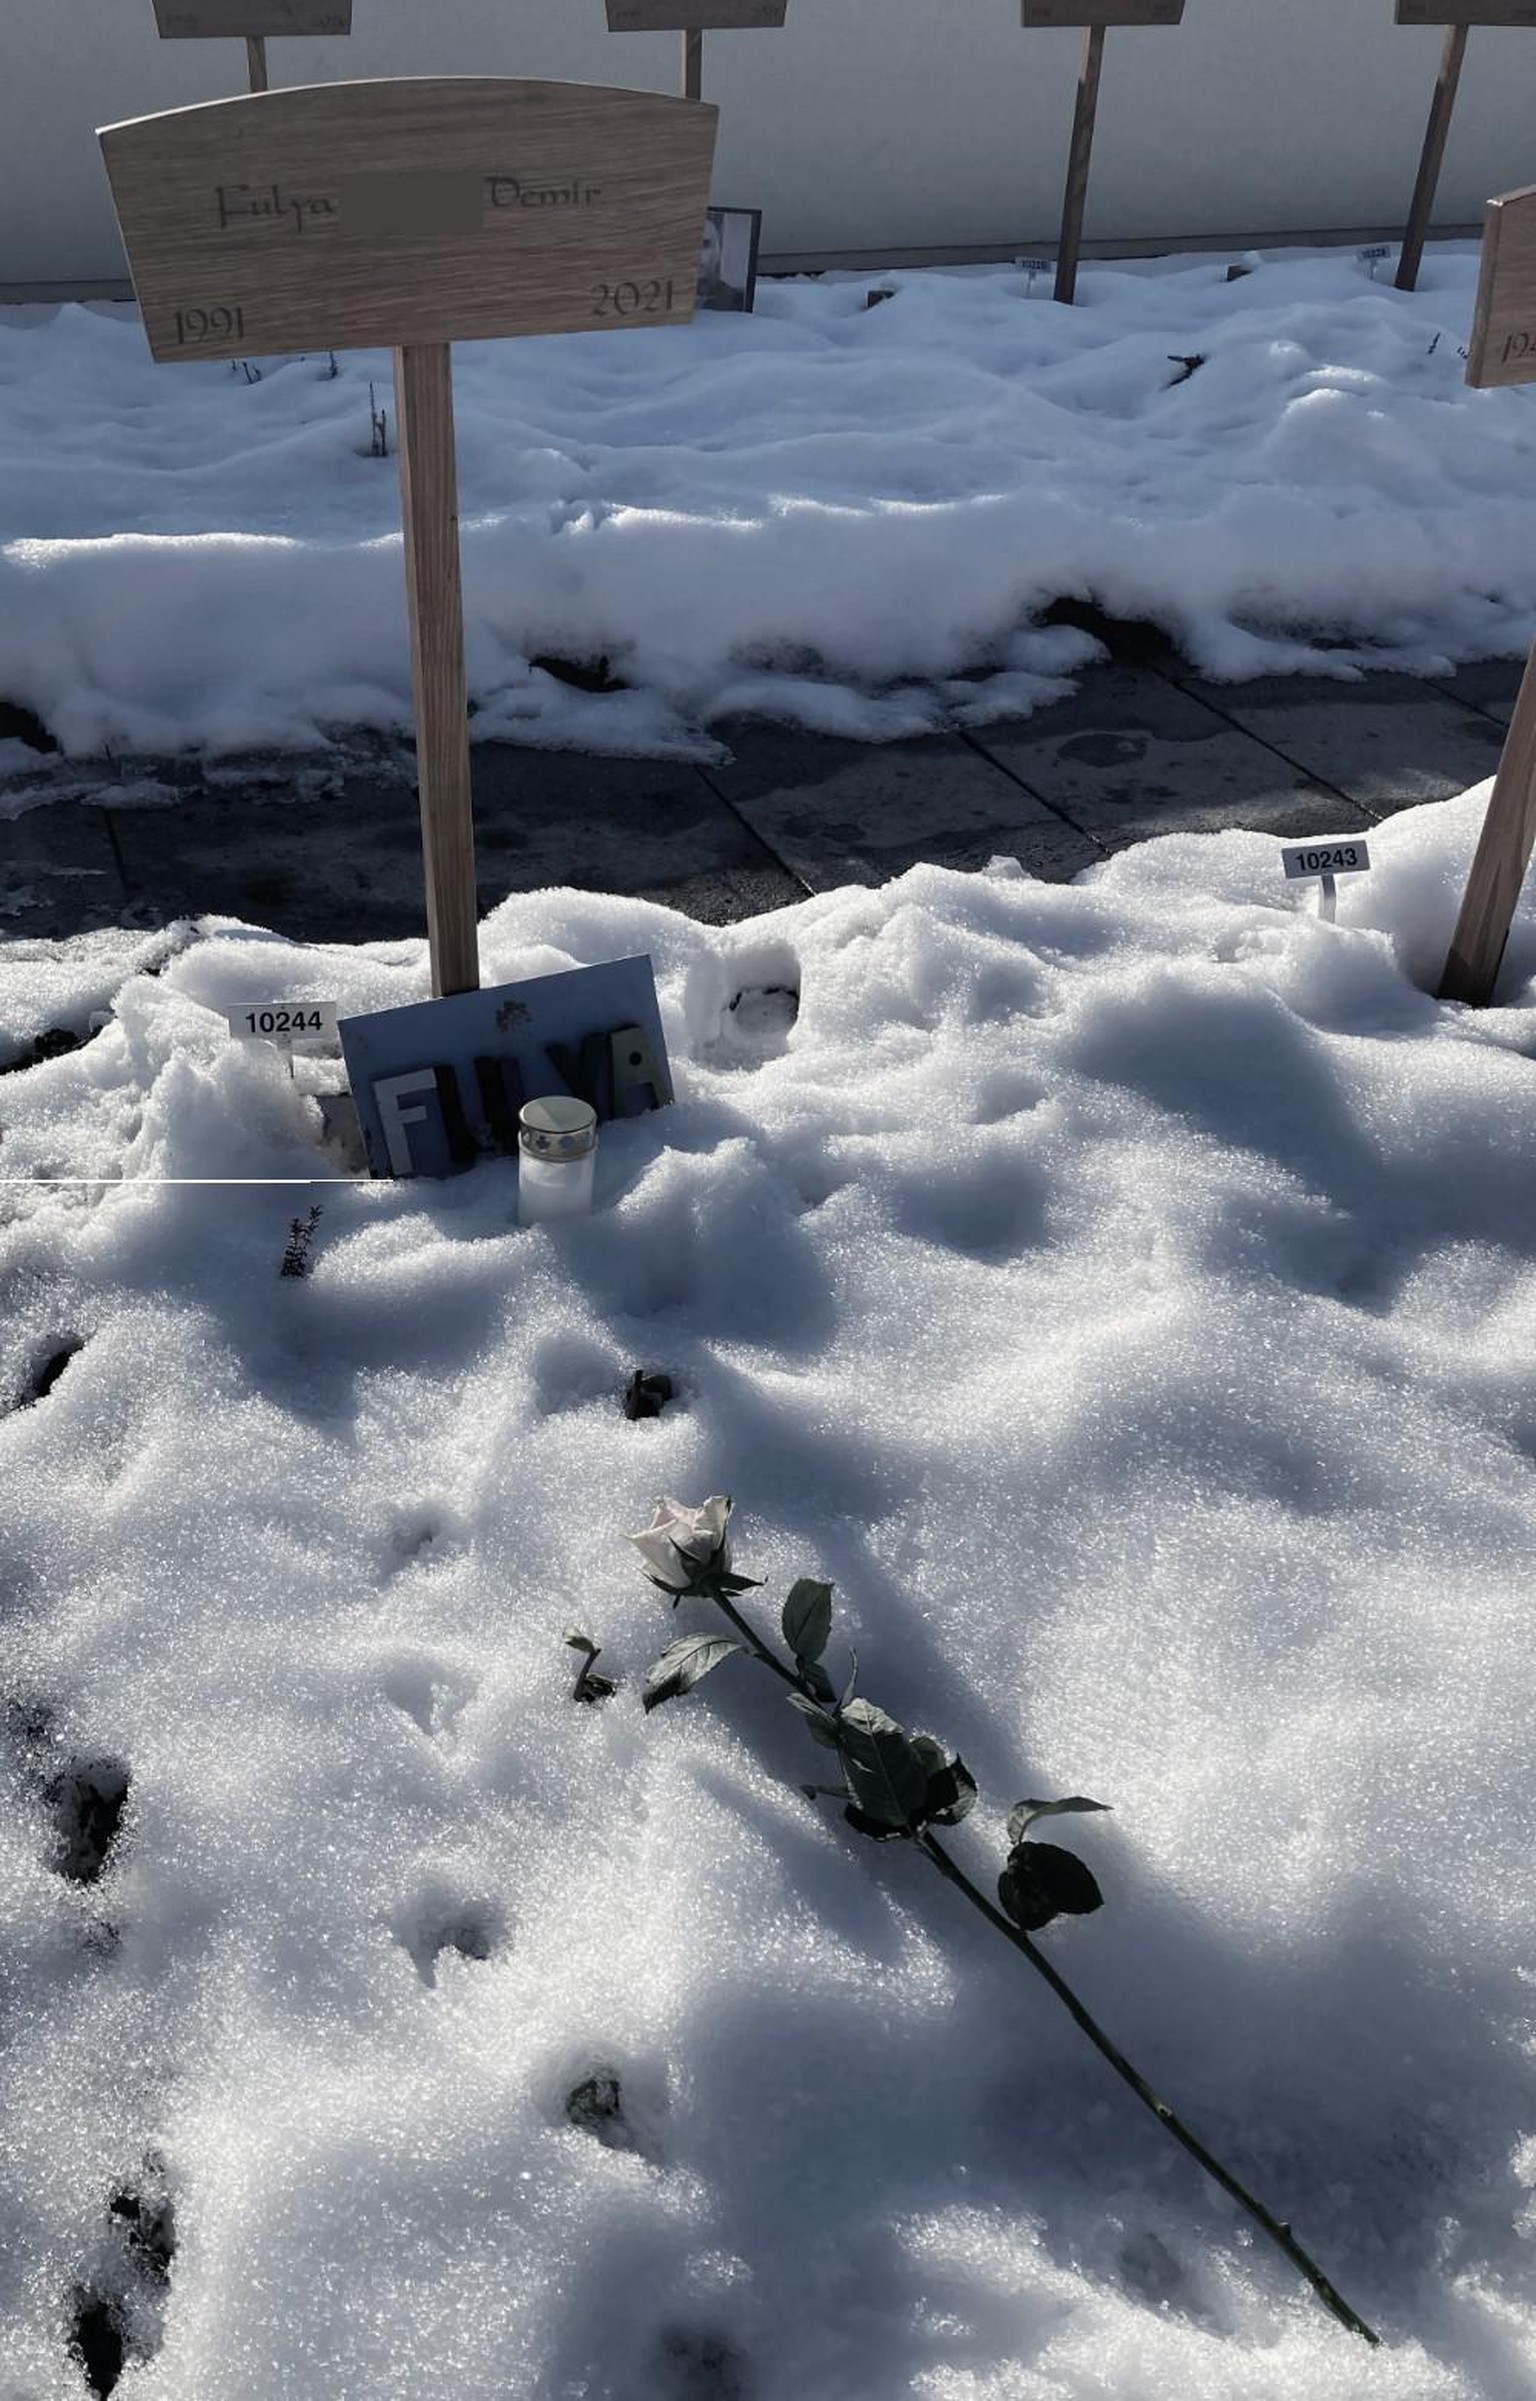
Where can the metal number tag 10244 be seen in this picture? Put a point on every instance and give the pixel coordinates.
(286, 1021)
(1325, 858)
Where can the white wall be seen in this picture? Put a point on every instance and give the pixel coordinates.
(881, 125)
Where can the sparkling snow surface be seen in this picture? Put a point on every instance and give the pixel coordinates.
(844, 517)
(1127, 1293)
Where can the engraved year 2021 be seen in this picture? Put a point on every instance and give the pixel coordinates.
(649, 299)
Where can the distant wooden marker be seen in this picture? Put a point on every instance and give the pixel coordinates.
(1457, 16)
(326, 218)
(258, 21)
(1095, 16)
(1502, 351)
(692, 18)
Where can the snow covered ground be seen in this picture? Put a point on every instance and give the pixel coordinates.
(1127, 1293)
(845, 517)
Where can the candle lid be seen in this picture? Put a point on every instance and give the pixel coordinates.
(557, 1127)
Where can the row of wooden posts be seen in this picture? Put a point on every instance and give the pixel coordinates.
(260, 20)
(324, 218)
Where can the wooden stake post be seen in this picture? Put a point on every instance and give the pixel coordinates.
(690, 18)
(1095, 16)
(330, 218)
(1457, 16)
(1502, 351)
(254, 21)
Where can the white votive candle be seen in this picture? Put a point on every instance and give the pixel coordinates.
(557, 1158)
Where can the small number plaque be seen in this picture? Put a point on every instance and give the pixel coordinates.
(284, 1021)
(1325, 858)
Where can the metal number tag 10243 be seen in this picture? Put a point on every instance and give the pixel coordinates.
(1325, 858)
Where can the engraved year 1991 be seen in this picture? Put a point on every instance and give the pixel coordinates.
(217, 324)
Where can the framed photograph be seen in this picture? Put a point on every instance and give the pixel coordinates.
(728, 259)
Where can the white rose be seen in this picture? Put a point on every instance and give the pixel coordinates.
(681, 1541)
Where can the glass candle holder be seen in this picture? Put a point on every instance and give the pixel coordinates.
(557, 1158)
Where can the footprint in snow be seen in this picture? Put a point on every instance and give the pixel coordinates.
(87, 1799)
(116, 2313)
(623, 2106)
(441, 1922)
(571, 1371)
(743, 1008)
(694, 2365)
(420, 1538)
(432, 1693)
(47, 1366)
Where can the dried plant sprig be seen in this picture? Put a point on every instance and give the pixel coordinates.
(589, 1686)
(898, 1787)
(301, 1234)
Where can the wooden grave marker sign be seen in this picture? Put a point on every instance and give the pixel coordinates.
(257, 21)
(1095, 17)
(1458, 17)
(1466, 12)
(1103, 12)
(692, 18)
(1502, 351)
(326, 218)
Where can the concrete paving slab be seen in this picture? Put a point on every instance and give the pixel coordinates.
(1132, 754)
(651, 828)
(58, 873)
(343, 862)
(1488, 684)
(329, 848)
(339, 856)
(1389, 742)
(838, 812)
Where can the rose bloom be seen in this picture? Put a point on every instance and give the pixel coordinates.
(681, 1541)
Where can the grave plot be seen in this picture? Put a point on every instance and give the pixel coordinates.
(1116, 1291)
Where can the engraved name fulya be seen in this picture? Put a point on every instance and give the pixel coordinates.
(270, 204)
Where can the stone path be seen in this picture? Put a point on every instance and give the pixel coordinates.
(329, 848)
